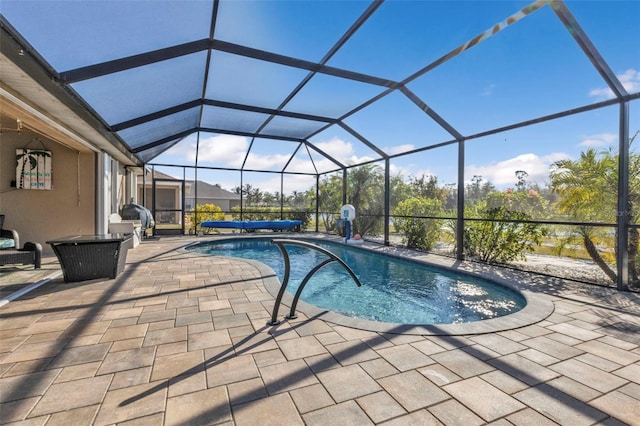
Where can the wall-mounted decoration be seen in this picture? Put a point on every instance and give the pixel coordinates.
(33, 169)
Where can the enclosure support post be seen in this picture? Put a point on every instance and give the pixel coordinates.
(144, 185)
(153, 196)
(103, 186)
(195, 189)
(386, 201)
(241, 191)
(344, 186)
(317, 203)
(281, 196)
(623, 200)
(460, 204)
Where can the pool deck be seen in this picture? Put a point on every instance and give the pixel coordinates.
(182, 339)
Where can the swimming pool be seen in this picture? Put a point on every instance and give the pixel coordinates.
(394, 290)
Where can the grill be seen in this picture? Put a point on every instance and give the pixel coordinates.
(138, 212)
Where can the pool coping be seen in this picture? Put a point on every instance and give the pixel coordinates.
(538, 306)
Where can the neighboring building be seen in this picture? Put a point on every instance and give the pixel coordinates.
(169, 193)
(210, 194)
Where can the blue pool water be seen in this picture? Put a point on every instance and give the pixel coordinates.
(393, 289)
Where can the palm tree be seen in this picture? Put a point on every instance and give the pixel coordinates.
(588, 192)
(366, 193)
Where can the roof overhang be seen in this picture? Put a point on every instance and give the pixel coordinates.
(29, 93)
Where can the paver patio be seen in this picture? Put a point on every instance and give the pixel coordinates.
(180, 338)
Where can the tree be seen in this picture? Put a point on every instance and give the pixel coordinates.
(399, 190)
(451, 199)
(477, 190)
(329, 199)
(254, 196)
(427, 187)
(365, 191)
(521, 175)
(529, 203)
(588, 189)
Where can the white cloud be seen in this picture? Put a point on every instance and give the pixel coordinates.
(599, 140)
(630, 80)
(336, 148)
(342, 151)
(408, 171)
(270, 182)
(298, 183)
(266, 162)
(229, 151)
(399, 149)
(503, 173)
(395, 170)
(185, 149)
(226, 149)
(488, 90)
(298, 164)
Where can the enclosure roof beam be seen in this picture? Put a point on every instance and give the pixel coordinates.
(134, 61)
(576, 31)
(364, 140)
(147, 58)
(450, 55)
(325, 155)
(156, 115)
(209, 102)
(293, 155)
(431, 113)
(211, 130)
(332, 51)
(162, 141)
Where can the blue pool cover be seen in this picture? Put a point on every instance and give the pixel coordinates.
(251, 224)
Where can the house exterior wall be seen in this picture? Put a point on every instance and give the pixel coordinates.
(233, 204)
(223, 204)
(41, 215)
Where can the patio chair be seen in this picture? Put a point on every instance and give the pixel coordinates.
(12, 254)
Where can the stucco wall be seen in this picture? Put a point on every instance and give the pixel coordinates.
(41, 215)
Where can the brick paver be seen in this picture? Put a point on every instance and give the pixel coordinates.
(180, 339)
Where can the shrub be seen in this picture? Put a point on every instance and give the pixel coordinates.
(529, 203)
(411, 219)
(201, 213)
(499, 238)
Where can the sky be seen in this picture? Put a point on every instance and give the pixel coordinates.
(527, 70)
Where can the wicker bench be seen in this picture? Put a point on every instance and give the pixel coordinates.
(88, 257)
(30, 254)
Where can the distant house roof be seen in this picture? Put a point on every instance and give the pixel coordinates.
(156, 175)
(206, 190)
